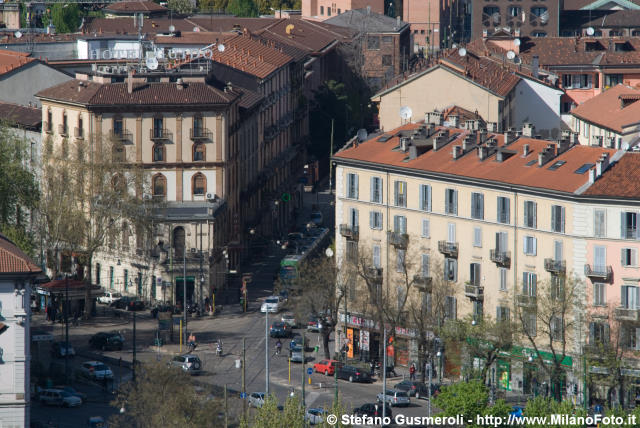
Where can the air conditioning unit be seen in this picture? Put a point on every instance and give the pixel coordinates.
(193, 250)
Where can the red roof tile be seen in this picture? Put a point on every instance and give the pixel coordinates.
(13, 260)
(28, 117)
(10, 60)
(621, 179)
(606, 109)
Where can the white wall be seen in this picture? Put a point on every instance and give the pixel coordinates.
(186, 184)
(537, 104)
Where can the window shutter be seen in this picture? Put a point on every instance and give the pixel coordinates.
(396, 223)
(507, 210)
(624, 301)
(634, 256)
(525, 283)
(592, 333)
(477, 237)
(425, 265)
(372, 220)
(524, 244)
(534, 283)
(637, 333)
(455, 202)
(372, 193)
(428, 197)
(403, 224)
(395, 192)
(527, 214)
(498, 248)
(623, 225)
(452, 232)
(535, 211)
(356, 185)
(553, 218)
(376, 256)
(534, 243)
(455, 307)
(562, 219)
(623, 260)
(454, 264)
(606, 334)
(425, 227)
(356, 221)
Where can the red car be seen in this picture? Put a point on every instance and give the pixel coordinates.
(328, 367)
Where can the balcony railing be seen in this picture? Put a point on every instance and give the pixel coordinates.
(198, 134)
(123, 135)
(475, 292)
(601, 273)
(399, 240)
(502, 258)
(627, 314)
(157, 134)
(526, 301)
(423, 283)
(553, 265)
(349, 231)
(375, 274)
(448, 248)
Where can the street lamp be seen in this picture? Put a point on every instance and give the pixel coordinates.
(439, 355)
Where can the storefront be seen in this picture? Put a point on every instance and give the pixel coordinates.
(54, 295)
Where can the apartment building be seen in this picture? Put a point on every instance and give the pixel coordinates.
(501, 215)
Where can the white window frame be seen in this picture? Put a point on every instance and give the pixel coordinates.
(425, 230)
(375, 220)
(352, 185)
(530, 245)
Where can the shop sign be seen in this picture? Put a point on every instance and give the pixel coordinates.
(364, 340)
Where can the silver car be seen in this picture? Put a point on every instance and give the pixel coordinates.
(58, 397)
(256, 399)
(189, 363)
(395, 398)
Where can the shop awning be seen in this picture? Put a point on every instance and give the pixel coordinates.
(76, 289)
(547, 357)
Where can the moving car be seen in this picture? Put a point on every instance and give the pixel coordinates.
(256, 399)
(297, 356)
(290, 320)
(394, 397)
(96, 370)
(280, 329)
(107, 341)
(328, 367)
(128, 303)
(315, 416)
(314, 324)
(353, 374)
(57, 397)
(189, 363)
(417, 389)
(96, 422)
(373, 410)
(71, 390)
(61, 349)
(271, 304)
(109, 297)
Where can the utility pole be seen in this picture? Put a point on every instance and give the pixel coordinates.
(266, 352)
(384, 374)
(335, 386)
(133, 366)
(226, 408)
(66, 323)
(330, 155)
(304, 358)
(244, 390)
(184, 291)
(428, 366)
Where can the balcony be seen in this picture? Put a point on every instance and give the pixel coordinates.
(502, 258)
(474, 292)
(555, 266)
(422, 283)
(627, 314)
(201, 134)
(123, 135)
(158, 134)
(349, 231)
(374, 275)
(598, 273)
(78, 133)
(449, 249)
(398, 240)
(63, 130)
(526, 301)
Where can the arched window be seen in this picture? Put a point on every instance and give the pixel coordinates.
(125, 235)
(158, 153)
(159, 186)
(178, 242)
(198, 152)
(199, 184)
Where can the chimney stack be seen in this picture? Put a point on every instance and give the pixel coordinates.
(525, 150)
(457, 152)
(527, 130)
(179, 84)
(404, 143)
(454, 120)
(130, 82)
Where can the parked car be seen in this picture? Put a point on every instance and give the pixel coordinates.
(96, 370)
(109, 297)
(189, 363)
(280, 329)
(394, 397)
(96, 422)
(61, 349)
(317, 218)
(297, 342)
(290, 320)
(328, 367)
(128, 303)
(373, 410)
(353, 374)
(57, 397)
(314, 324)
(297, 356)
(71, 390)
(161, 307)
(315, 416)
(417, 389)
(256, 399)
(107, 341)
(271, 304)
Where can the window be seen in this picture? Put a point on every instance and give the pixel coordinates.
(65, 128)
(400, 189)
(376, 190)
(599, 296)
(159, 185)
(425, 266)
(557, 287)
(530, 214)
(502, 314)
(399, 224)
(530, 245)
(352, 251)
(111, 277)
(126, 278)
(354, 219)
(451, 201)
(502, 243)
(321, 10)
(400, 260)
(451, 232)
(557, 330)
(612, 79)
(539, 11)
(598, 333)
(375, 220)
(599, 224)
(557, 218)
(158, 127)
(477, 237)
(529, 284)
(503, 279)
(98, 268)
(158, 153)
(478, 310)
(558, 247)
(477, 206)
(339, 11)
(425, 227)
(585, 130)
(386, 60)
(450, 308)
(197, 125)
(199, 184)
(632, 337)
(529, 323)
(80, 128)
(49, 121)
(628, 225)
(328, 11)
(474, 273)
(425, 197)
(451, 270)
(629, 257)
(373, 43)
(503, 210)
(577, 81)
(599, 259)
(153, 287)
(198, 152)
(376, 257)
(515, 11)
(538, 34)
(118, 127)
(352, 186)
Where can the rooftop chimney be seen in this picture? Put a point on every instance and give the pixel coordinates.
(527, 130)
(525, 150)
(404, 143)
(454, 120)
(492, 126)
(179, 84)
(130, 82)
(413, 152)
(457, 152)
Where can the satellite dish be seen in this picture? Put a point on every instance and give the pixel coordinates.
(196, 29)
(328, 252)
(462, 51)
(511, 55)
(152, 63)
(172, 28)
(362, 135)
(590, 31)
(17, 34)
(406, 112)
(220, 47)
(454, 46)
(517, 42)
(289, 28)
(517, 60)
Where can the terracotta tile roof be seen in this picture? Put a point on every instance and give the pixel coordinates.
(463, 114)
(512, 171)
(13, 260)
(135, 6)
(620, 179)
(249, 98)
(10, 60)
(27, 117)
(125, 26)
(61, 284)
(230, 23)
(606, 109)
(9, 38)
(203, 38)
(113, 94)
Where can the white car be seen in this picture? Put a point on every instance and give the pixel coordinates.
(256, 399)
(315, 416)
(96, 370)
(271, 304)
(109, 297)
(58, 397)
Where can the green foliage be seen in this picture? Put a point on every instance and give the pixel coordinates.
(212, 5)
(180, 6)
(336, 409)
(243, 8)
(65, 17)
(269, 416)
(545, 406)
(22, 238)
(464, 398)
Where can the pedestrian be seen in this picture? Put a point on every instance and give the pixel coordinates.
(412, 371)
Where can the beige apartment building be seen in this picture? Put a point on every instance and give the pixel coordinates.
(500, 215)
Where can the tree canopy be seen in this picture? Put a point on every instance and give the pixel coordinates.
(65, 17)
(243, 8)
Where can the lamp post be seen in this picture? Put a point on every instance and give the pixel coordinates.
(66, 323)
(184, 292)
(439, 355)
(428, 367)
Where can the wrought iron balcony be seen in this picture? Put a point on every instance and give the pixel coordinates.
(399, 240)
(627, 314)
(423, 283)
(474, 292)
(599, 273)
(123, 135)
(448, 248)
(159, 134)
(526, 301)
(553, 265)
(502, 258)
(349, 231)
(200, 134)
